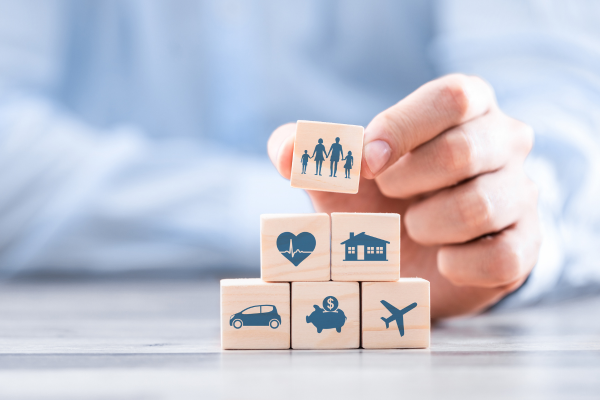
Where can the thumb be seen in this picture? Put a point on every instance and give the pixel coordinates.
(280, 148)
(430, 110)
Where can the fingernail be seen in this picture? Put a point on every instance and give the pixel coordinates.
(377, 154)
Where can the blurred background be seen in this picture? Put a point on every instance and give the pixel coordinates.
(133, 133)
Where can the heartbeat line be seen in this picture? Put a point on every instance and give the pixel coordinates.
(293, 252)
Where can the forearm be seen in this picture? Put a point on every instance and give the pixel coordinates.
(75, 197)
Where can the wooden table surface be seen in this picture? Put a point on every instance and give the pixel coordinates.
(160, 339)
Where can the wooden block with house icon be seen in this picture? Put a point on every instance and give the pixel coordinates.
(327, 157)
(325, 315)
(365, 247)
(255, 314)
(396, 315)
(295, 247)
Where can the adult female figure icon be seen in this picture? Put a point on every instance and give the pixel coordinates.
(318, 155)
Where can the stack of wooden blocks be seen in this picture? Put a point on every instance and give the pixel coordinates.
(327, 282)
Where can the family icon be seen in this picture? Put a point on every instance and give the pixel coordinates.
(334, 154)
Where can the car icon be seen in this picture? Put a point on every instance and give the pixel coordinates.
(262, 315)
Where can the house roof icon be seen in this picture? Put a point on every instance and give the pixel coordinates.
(363, 238)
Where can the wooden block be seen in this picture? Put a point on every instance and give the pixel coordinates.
(395, 315)
(365, 247)
(325, 315)
(295, 247)
(255, 314)
(318, 155)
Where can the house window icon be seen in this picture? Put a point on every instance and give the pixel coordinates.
(363, 247)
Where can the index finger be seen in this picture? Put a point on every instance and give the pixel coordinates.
(281, 147)
(430, 110)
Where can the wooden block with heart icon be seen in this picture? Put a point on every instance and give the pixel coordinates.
(295, 247)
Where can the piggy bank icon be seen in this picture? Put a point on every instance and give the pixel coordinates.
(322, 319)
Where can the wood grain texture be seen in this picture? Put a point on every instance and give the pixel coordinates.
(239, 294)
(305, 295)
(275, 267)
(308, 134)
(381, 226)
(399, 294)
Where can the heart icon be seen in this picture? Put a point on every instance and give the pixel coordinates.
(296, 248)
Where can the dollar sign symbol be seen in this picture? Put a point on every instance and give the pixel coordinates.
(330, 303)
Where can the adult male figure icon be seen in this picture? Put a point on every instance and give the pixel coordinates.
(335, 151)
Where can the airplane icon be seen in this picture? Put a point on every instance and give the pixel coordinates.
(397, 315)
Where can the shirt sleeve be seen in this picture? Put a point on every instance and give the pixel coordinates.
(543, 59)
(75, 197)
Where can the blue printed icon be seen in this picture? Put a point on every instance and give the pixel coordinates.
(296, 248)
(263, 315)
(330, 319)
(397, 315)
(363, 247)
(335, 154)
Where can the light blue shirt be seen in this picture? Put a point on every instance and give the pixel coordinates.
(132, 133)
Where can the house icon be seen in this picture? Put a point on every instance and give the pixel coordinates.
(363, 247)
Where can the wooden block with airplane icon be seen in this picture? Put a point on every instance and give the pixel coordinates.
(396, 315)
(365, 247)
(255, 314)
(327, 157)
(295, 247)
(325, 315)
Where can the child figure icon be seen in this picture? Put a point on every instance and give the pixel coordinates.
(304, 160)
(349, 162)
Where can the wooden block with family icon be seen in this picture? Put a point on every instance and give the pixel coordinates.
(327, 157)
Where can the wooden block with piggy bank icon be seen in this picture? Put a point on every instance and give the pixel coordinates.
(325, 315)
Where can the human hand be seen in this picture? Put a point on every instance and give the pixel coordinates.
(451, 163)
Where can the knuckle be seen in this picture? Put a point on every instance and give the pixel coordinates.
(387, 187)
(457, 154)
(475, 208)
(453, 95)
(390, 123)
(508, 265)
(526, 135)
(399, 127)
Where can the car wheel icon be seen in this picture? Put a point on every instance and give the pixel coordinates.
(274, 324)
(237, 324)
